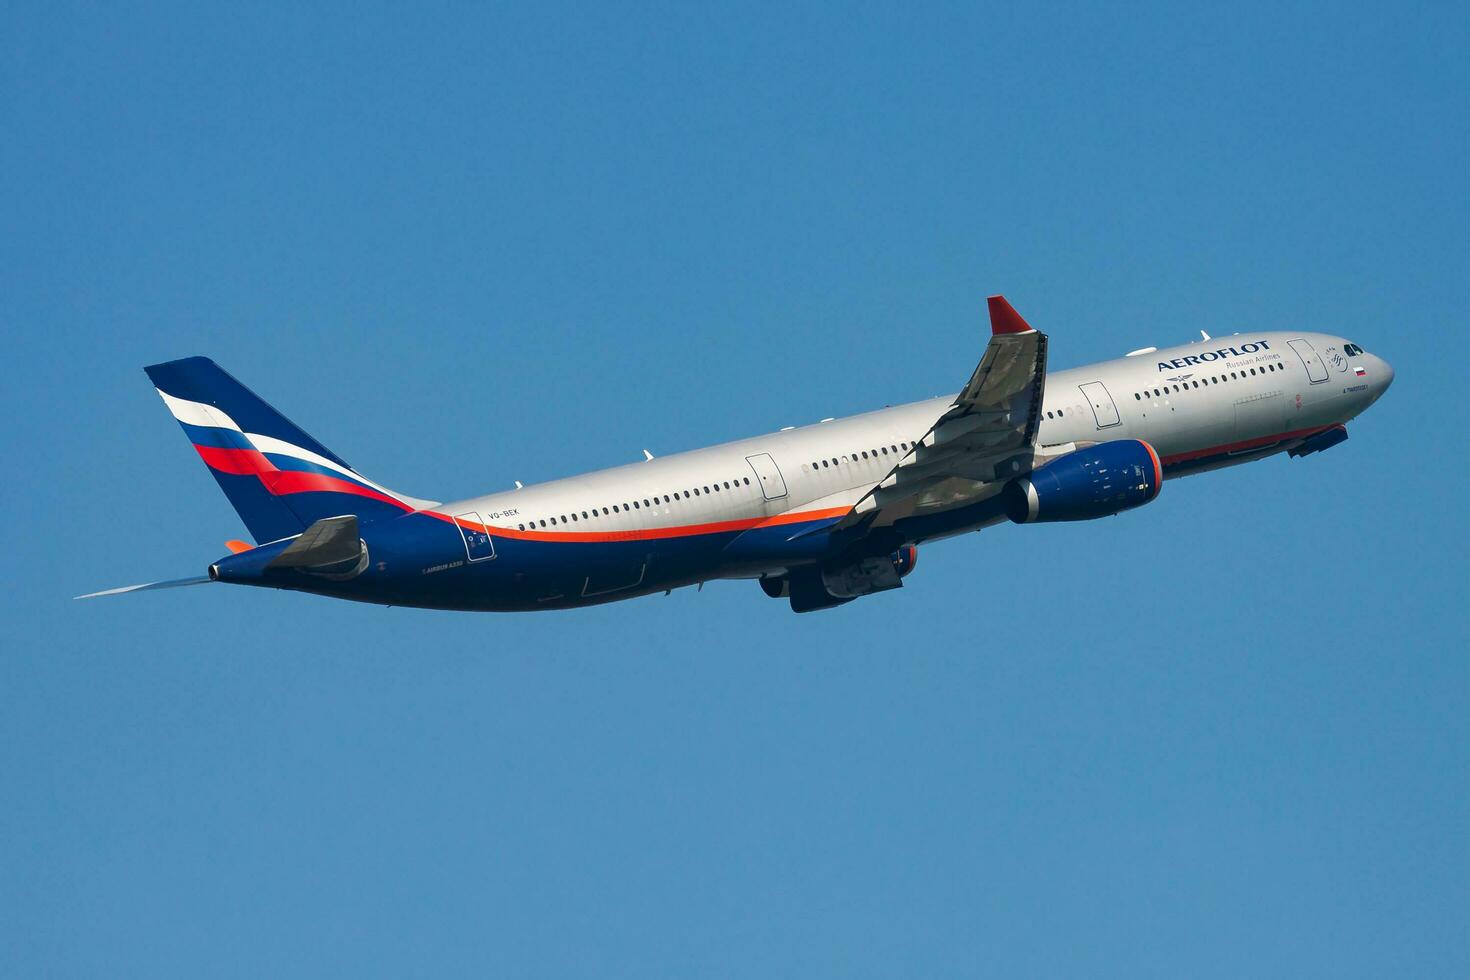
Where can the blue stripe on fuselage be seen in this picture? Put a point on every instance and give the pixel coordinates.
(420, 560)
(215, 437)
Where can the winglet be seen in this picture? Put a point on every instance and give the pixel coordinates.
(1004, 318)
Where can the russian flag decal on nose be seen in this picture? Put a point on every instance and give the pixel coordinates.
(1361, 372)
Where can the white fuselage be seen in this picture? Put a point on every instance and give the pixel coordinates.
(1201, 406)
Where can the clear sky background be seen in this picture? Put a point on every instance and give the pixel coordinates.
(1225, 735)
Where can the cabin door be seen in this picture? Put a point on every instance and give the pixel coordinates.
(773, 485)
(478, 544)
(1316, 370)
(1103, 408)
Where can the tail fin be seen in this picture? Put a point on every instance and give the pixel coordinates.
(279, 479)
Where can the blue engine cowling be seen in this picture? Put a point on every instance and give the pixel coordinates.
(1100, 481)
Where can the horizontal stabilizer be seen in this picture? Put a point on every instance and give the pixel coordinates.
(146, 586)
(328, 541)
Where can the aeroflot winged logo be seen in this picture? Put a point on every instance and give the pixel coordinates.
(1214, 355)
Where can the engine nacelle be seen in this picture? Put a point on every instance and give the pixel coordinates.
(1099, 481)
(904, 560)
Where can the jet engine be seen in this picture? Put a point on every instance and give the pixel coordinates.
(1098, 481)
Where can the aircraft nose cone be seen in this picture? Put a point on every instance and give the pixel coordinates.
(1385, 373)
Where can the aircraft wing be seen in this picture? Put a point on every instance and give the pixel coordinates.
(985, 438)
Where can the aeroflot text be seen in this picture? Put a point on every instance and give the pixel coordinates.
(1214, 355)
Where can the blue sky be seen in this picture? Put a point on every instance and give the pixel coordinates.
(1226, 734)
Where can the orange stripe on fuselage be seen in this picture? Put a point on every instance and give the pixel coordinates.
(644, 534)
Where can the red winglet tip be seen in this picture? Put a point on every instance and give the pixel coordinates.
(1004, 318)
(238, 546)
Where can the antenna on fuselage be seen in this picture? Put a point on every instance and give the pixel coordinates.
(647, 456)
(1204, 335)
(519, 485)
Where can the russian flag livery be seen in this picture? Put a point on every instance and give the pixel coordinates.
(819, 515)
(278, 478)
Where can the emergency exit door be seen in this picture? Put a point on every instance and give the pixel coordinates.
(1103, 408)
(773, 485)
(478, 545)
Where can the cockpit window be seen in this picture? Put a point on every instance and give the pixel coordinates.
(1351, 350)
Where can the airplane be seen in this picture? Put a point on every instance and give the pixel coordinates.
(818, 515)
